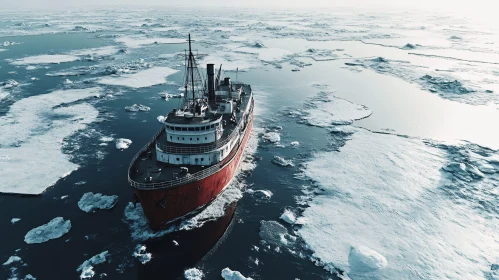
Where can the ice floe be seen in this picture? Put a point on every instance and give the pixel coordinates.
(263, 193)
(288, 216)
(161, 119)
(123, 143)
(193, 274)
(141, 78)
(96, 52)
(137, 108)
(86, 269)
(295, 143)
(141, 254)
(54, 229)
(14, 220)
(272, 136)
(138, 42)
(389, 194)
(326, 110)
(32, 131)
(45, 59)
(90, 202)
(6, 88)
(11, 260)
(278, 160)
(229, 274)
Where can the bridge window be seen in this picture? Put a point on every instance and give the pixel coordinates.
(171, 137)
(202, 159)
(191, 129)
(178, 159)
(206, 138)
(197, 128)
(198, 139)
(178, 138)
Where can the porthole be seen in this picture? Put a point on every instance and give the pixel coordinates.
(178, 159)
(191, 139)
(206, 138)
(198, 139)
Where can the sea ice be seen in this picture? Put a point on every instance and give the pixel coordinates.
(54, 229)
(264, 193)
(138, 42)
(141, 254)
(229, 274)
(90, 202)
(122, 143)
(161, 119)
(87, 267)
(193, 274)
(96, 52)
(278, 160)
(326, 110)
(288, 216)
(14, 220)
(141, 78)
(266, 54)
(137, 108)
(388, 193)
(295, 143)
(45, 59)
(32, 131)
(272, 136)
(275, 233)
(11, 260)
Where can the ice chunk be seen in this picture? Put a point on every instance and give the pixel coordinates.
(14, 220)
(326, 110)
(193, 274)
(229, 274)
(138, 42)
(11, 260)
(68, 82)
(122, 143)
(87, 267)
(275, 233)
(137, 108)
(363, 259)
(272, 136)
(56, 228)
(141, 254)
(277, 160)
(89, 202)
(295, 143)
(32, 132)
(442, 84)
(161, 119)
(265, 193)
(45, 59)
(140, 79)
(288, 216)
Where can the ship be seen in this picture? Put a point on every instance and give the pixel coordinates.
(192, 159)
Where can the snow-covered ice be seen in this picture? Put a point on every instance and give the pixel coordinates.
(45, 59)
(272, 136)
(141, 78)
(123, 143)
(138, 42)
(389, 194)
(141, 254)
(33, 130)
(274, 233)
(161, 119)
(193, 274)
(90, 202)
(86, 269)
(363, 259)
(54, 229)
(229, 274)
(288, 216)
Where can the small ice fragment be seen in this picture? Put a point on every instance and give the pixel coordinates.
(123, 143)
(141, 254)
(161, 119)
(277, 160)
(193, 274)
(137, 108)
(229, 274)
(175, 243)
(11, 260)
(288, 216)
(68, 82)
(64, 196)
(14, 220)
(29, 277)
(90, 202)
(106, 139)
(295, 143)
(273, 137)
(56, 228)
(86, 268)
(266, 193)
(365, 259)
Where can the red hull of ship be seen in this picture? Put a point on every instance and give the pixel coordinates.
(182, 200)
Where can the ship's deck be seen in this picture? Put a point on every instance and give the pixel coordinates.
(146, 164)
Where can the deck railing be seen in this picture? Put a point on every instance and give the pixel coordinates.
(190, 177)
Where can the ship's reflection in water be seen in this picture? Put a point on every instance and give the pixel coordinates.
(170, 260)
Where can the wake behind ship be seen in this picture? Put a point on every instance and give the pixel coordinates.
(195, 154)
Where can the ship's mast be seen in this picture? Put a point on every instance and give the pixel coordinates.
(191, 62)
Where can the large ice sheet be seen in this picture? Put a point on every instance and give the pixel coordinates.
(389, 210)
(142, 78)
(45, 59)
(33, 131)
